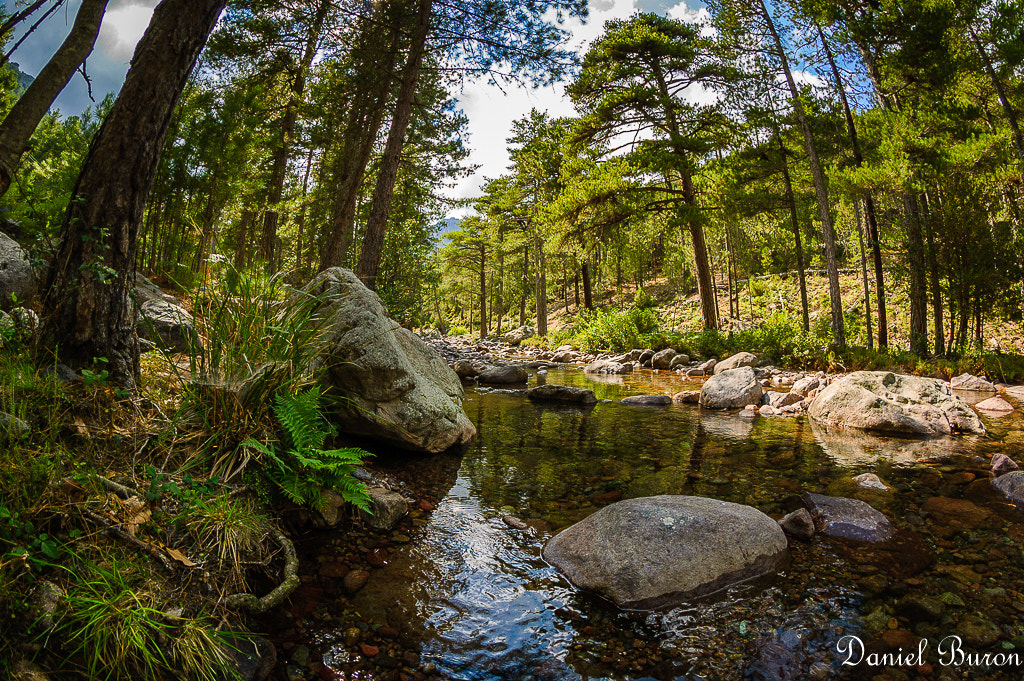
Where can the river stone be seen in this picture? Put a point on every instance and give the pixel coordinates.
(894, 403)
(740, 359)
(562, 356)
(687, 397)
(995, 405)
(780, 400)
(645, 357)
(678, 361)
(847, 518)
(971, 382)
(663, 358)
(388, 508)
(465, 369)
(517, 336)
(1002, 464)
(871, 481)
(17, 277)
(512, 373)
(169, 325)
(392, 386)
(798, 524)
(561, 393)
(732, 389)
(606, 366)
(1012, 487)
(254, 657)
(647, 400)
(649, 551)
(805, 385)
(707, 366)
(959, 514)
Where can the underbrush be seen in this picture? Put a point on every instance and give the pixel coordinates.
(134, 528)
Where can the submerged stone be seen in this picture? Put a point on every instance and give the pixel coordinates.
(645, 552)
(848, 518)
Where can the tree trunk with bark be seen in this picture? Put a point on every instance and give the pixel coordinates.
(89, 314)
(820, 188)
(791, 200)
(21, 121)
(376, 224)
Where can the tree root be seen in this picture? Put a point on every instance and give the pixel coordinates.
(281, 591)
(121, 534)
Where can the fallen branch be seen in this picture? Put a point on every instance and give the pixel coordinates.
(282, 591)
(111, 528)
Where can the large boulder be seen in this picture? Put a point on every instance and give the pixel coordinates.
(561, 393)
(646, 552)
(390, 385)
(1012, 487)
(517, 336)
(740, 359)
(894, 403)
(146, 290)
(512, 373)
(971, 382)
(848, 518)
(17, 278)
(167, 324)
(607, 366)
(731, 389)
(663, 358)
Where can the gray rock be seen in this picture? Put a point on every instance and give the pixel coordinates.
(1002, 464)
(62, 373)
(805, 385)
(606, 366)
(388, 508)
(647, 400)
(768, 410)
(678, 361)
(847, 518)
(393, 386)
(517, 336)
(663, 358)
(798, 524)
(645, 358)
(254, 657)
(687, 397)
(971, 382)
(707, 366)
(1012, 487)
(168, 325)
(893, 403)
(512, 373)
(465, 369)
(562, 356)
(146, 290)
(997, 406)
(561, 393)
(17, 278)
(740, 359)
(12, 428)
(732, 389)
(694, 373)
(780, 400)
(870, 481)
(645, 552)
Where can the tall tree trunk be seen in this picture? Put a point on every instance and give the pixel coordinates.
(282, 153)
(364, 123)
(588, 293)
(820, 188)
(24, 117)
(791, 200)
(933, 275)
(864, 275)
(918, 280)
(869, 202)
(525, 285)
(89, 313)
(1008, 110)
(540, 286)
(300, 223)
(376, 224)
(483, 290)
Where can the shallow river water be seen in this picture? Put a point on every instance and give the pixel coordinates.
(456, 593)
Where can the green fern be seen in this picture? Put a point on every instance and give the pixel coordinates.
(304, 468)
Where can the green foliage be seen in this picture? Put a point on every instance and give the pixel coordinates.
(300, 467)
(611, 329)
(113, 627)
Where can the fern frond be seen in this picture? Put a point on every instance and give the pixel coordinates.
(300, 415)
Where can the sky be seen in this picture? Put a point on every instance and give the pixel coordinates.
(490, 110)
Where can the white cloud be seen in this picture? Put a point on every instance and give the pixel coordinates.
(122, 27)
(491, 112)
(699, 16)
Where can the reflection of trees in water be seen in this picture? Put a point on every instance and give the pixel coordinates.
(849, 447)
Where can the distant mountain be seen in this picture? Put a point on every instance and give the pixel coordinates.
(24, 80)
(444, 227)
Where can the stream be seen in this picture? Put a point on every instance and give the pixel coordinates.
(456, 593)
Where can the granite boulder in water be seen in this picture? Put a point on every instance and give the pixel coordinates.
(651, 551)
(388, 383)
(731, 389)
(894, 403)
